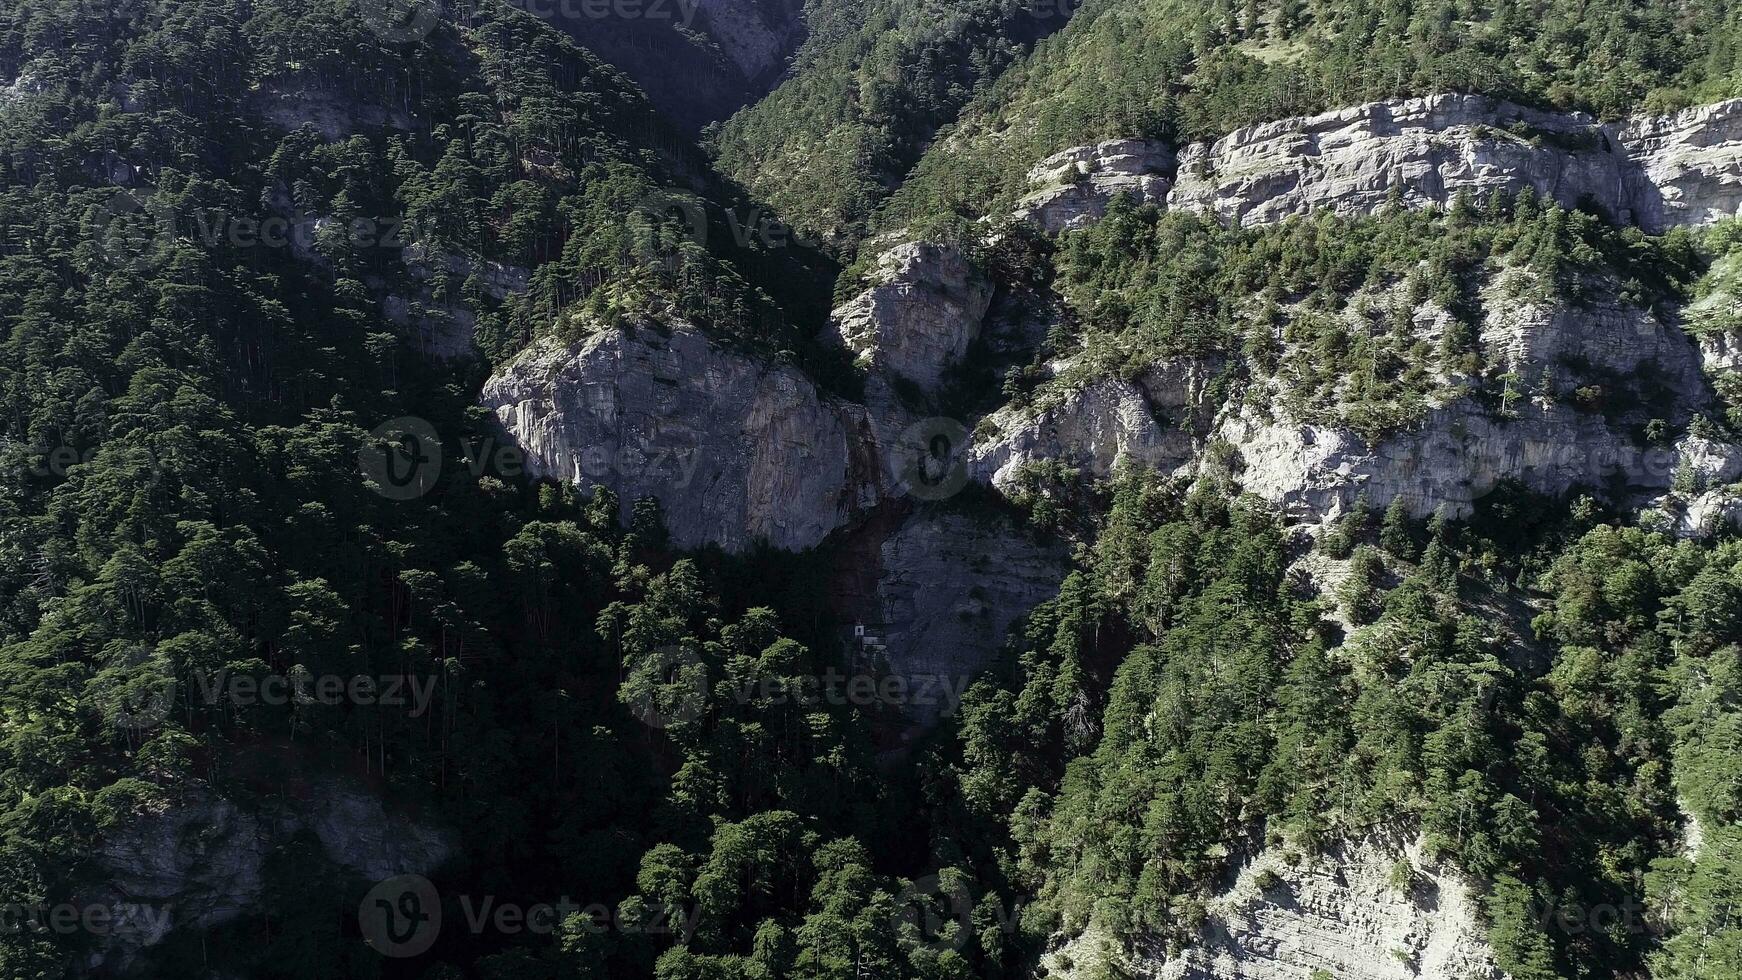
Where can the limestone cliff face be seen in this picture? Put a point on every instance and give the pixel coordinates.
(949, 587)
(1658, 172)
(1367, 910)
(1157, 420)
(1462, 448)
(1351, 161)
(202, 862)
(1689, 165)
(1721, 351)
(1370, 909)
(1459, 453)
(925, 305)
(736, 449)
(1074, 185)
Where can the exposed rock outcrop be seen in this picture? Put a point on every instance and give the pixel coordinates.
(1704, 514)
(1074, 186)
(1659, 172)
(1424, 151)
(1603, 340)
(1373, 909)
(1157, 420)
(925, 305)
(1689, 166)
(202, 862)
(736, 449)
(1721, 351)
(1458, 454)
(1368, 910)
(949, 587)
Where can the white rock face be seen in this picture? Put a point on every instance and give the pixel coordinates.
(1709, 462)
(1721, 352)
(202, 862)
(1690, 166)
(735, 449)
(1658, 172)
(1343, 913)
(1705, 514)
(1094, 426)
(1351, 160)
(925, 307)
(1461, 450)
(1576, 343)
(1315, 472)
(949, 588)
(1073, 187)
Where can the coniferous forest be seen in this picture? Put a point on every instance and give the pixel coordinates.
(319, 660)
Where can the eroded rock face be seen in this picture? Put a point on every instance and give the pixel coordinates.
(1704, 514)
(1689, 166)
(1461, 452)
(1074, 186)
(924, 308)
(735, 448)
(202, 862)
(949, 588)
(1156, 420)
(1640, 366)
(1600, 339)
(1351, 161)
(1721, 352)
(1369, 910)
(1659, 172)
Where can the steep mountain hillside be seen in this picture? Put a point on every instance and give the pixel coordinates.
(866, 95)
(1154, 69)
(1264, 500)
(699, 61)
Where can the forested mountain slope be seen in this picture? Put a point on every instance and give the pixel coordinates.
(1265, 503)
(1155, 69)
(699, 61)
(865, 97)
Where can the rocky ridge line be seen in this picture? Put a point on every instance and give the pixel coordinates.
(1657, 172)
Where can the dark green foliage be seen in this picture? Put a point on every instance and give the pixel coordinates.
(1162, 69)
